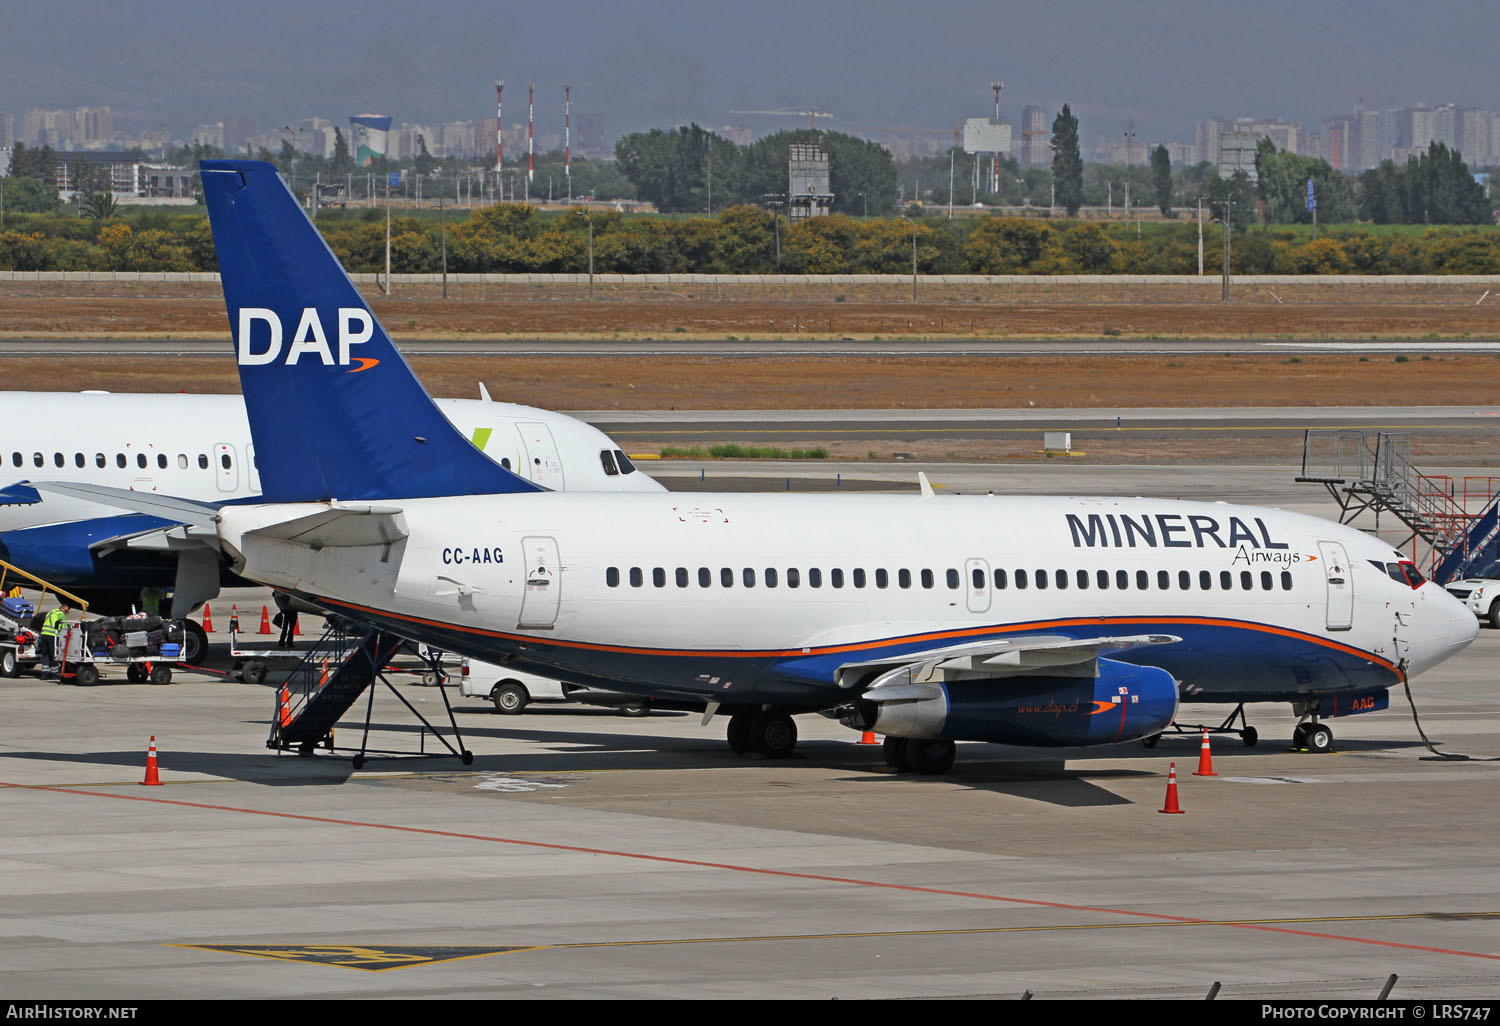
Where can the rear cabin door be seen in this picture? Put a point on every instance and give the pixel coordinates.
(543, 595)
(1339, 577)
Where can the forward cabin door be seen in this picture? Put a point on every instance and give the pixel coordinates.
(1339, 577)
(544, 464)
(543, 593)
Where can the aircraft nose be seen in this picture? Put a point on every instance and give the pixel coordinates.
(1447, 627)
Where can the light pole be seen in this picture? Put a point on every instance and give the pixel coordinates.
(913, 257)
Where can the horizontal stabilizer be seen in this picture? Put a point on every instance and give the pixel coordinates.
(340, 527)
(182, 511)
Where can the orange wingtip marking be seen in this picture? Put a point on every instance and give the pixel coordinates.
(365, 363)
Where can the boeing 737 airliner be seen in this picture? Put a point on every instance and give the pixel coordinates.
(1037, 621)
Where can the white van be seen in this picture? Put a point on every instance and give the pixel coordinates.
(512, 691)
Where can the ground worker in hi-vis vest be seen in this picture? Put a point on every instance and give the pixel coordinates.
(47, 643)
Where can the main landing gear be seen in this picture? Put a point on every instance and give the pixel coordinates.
(766, 732)
(918, 755)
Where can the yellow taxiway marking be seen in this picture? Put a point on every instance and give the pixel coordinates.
(379, 958)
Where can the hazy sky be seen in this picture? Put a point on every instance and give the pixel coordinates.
(873, 63)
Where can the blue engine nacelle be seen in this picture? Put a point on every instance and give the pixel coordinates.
(1124, 703)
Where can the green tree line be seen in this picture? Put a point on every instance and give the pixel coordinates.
(749, 240)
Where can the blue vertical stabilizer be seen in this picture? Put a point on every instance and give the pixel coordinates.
(335, 411)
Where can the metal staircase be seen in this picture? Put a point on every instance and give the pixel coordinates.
(1372, 471)
(323, 687)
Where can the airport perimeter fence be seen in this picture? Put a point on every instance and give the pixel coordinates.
(1446, 289)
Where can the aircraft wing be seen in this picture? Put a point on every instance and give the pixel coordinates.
(1024, 655)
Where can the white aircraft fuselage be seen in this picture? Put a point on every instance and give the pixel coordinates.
(764, 598)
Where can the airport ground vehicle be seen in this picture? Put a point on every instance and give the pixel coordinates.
(1480, 592)
(82, 661)
(512, 691)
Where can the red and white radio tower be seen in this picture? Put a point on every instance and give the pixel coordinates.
(995, 174)
(567, 138)
(530, 151)
(499, 132)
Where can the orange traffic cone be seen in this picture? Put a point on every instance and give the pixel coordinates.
(265, 620)
(286, 706)
(1205, 760)
(1172, 806)
(868, 738)
(296, 626)
(324, 678)
(234, 618)
(208, 619)
(151, 777)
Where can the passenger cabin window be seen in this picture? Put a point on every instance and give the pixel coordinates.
(749, 577)
(57, 460)
(1000, 580)
(1083, 580)
(1022, 581)
(203, 461)
(224, 461)
(927, 579)
(793, 577)
(1206, 580)
(836, 578)
(607, 460)
(140, 460)
(612, 577)
(78, 460)
(161, 461)
(636, 578)
(953, 580)
(814, 578)
(1040, 578)
(15, 458)
(99, 460)
(120, 460)
(39, 459)
(770, 577)
(182, 461)
(705, 577)
(859, 578)
(682, 577)
(659, 578)
(726, 577)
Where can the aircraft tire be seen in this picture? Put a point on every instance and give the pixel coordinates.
(928, 757)
(894, 750)
(510, 699)
(1299, 736)
(194, 643)
(1150, 740)
(1318, 739)
(772, 733)
(738, 732)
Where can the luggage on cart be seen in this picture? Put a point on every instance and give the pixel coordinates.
(17, 609)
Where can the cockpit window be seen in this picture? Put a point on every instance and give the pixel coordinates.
(607, 459)
(1413, 575)
(626, 467)
(1404, 572)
